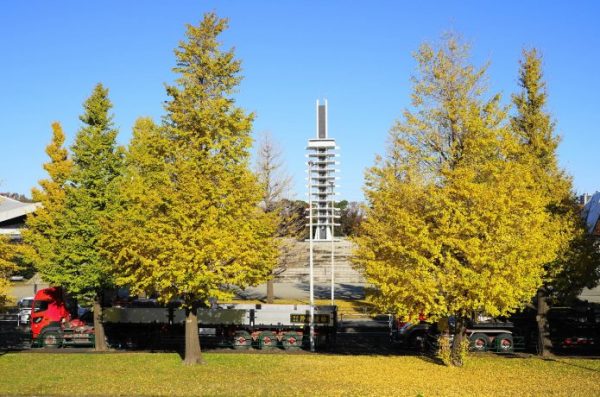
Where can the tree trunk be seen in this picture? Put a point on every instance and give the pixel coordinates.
(193, 355)
(457, 355)
(544, 344)
(270, 291)
(100, 337)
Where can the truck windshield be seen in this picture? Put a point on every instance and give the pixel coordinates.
(40, 306)
(25, 303)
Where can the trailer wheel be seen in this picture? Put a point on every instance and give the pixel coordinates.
(479, 342)
(291, 340)
(504, 343)
(267, 339)
(51, 340)
(242, 340)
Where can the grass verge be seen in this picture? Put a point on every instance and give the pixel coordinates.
(154, 374)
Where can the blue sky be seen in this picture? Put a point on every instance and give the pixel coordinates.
(355, 54)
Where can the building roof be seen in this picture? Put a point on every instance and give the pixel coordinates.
(12, 209)
(591, 214)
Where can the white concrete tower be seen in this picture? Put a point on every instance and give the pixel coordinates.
(322, 179)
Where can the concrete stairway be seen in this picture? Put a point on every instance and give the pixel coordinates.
(295, 268)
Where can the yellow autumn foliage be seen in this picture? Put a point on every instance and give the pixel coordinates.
(7, 267)
(285, 374)
(187, 223)
(44, 230)
(455, 222)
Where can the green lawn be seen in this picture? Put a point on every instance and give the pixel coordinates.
(232, 374)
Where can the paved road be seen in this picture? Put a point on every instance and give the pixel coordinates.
(301, 291)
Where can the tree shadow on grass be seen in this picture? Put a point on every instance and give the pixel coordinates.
(434, 360)
(180, 352)
(431, 359)
(361, 346)
(559, 361)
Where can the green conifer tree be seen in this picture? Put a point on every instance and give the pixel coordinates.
(79, 266)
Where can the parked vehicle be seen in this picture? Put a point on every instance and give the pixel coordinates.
(52, 324)
(24, 305)
(411, 335)
(494, 336)
(490, 335)
(240, 326)
(575, 328)
(146, 324)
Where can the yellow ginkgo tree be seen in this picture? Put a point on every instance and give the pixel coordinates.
(187, 224)
(455, 223)
(45, 227)
(8, 266)
(578, 263)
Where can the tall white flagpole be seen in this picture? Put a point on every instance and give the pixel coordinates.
(310, 242)
(332, 243)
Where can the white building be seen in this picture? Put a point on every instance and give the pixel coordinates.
(591, 215)
(12, 216)
(322, 179)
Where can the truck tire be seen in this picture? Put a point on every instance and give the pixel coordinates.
(478, 342)
(291, 340)
(242, 340)
(51, 339)
(503, 343)
(267, 339)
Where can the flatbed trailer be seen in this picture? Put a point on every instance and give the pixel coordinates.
(240, 326)
(496, 336)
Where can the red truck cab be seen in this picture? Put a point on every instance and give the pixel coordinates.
(51, 323)
(48, 308)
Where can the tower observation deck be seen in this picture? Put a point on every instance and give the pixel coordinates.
(322, 179)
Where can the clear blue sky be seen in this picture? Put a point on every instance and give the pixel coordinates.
(355, 54)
